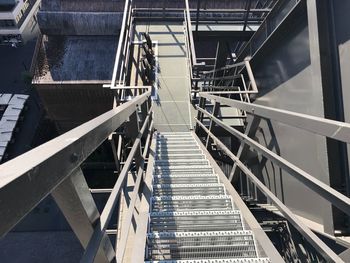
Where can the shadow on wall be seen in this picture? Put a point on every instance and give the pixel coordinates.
(286, 54)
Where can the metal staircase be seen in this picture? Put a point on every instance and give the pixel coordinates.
(192, 219)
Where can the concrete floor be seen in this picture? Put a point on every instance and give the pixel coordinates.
(172, 109)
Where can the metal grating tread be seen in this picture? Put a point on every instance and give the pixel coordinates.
(181, 162)
(187, 245)
(177, 156)
(196, 221)
(183, 203)
(189, 189)
(227, 260)
(191, 219)
(185, 179)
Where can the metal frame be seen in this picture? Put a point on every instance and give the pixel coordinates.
(319, 245)
(259, 234)
(321, 126)
(123, 50)
(100, 229)
(37, 173)
(333, 129)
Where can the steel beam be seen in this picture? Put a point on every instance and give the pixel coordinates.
(76, 203)
(36, 173)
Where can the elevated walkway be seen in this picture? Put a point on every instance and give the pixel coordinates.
(172, 107)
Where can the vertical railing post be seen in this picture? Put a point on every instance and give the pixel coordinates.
(250, 74)
(243, 148)
(216, 109)
(197, 15)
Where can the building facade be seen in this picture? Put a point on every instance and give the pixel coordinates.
(17, 20)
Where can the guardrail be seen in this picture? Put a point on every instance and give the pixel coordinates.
(29, 178)
(123, 51)
(321, 126)
(223, 16)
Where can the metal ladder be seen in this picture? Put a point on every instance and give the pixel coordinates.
(192, 219)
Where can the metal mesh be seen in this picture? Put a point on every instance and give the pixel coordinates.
(196, 221)
(191, 217)
(189, 189)
(227, 260)
(186, 179)
(184, 204)
(201, 245)
(188, 156)
(180, 162)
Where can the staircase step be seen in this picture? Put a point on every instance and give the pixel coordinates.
(167, 156)
(196, 221)
(181, 162)
(189, 189)
(165, 151)
(175, 139)
(183, 169)
(186, 179)
(225, 260)
(191, 219)
(188, 203)
(201, 245)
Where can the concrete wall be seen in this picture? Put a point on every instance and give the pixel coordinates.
(283, 72)
(70, 105)
(118, 5)
(79, 23)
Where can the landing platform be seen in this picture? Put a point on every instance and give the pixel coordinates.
(172, 109)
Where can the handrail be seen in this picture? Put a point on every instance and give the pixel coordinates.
(333, 129)
(100, 229)
(190, 35)
(36, 173)
(320, 246)
(244, 64)
(124, 39)
(321, 126)
(134, 197)
(174, 9)
(240, 64)
(328, 193)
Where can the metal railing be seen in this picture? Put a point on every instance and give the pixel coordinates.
(193, 64)
(47, 168)
(123, 51)
(207, 16)
(321, 126)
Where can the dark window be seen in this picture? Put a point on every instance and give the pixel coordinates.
(7, 23)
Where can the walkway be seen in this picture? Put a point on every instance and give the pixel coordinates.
(172, 110)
